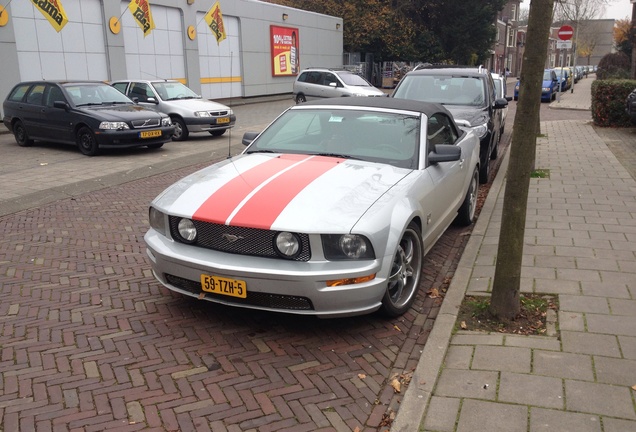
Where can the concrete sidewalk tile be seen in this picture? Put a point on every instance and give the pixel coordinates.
(574, 303)
(597, 264)
(481, 416)
(471, 384)
(627, 266)
(537, 272)
(628, 346)
(501, 358)
(546, 420)
(571, 321)
(563, 365)
(459, 357)
(557, 286)
(574, 251)
(531, 390)
(618, 425)
(555, 261)
(615, 371)
(614, 325)
(578, 275)
(601, 399)
(535, 342)
(622, 307)
(590, 343)
(605, 289)
(477, 338)
(441, 414)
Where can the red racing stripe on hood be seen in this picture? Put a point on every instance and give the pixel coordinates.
(220, 205)
(262, 209)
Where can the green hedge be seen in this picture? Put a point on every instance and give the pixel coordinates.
(608, 102)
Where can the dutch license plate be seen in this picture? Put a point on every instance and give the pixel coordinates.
(150, 134)
(222, 120)
(223, 286)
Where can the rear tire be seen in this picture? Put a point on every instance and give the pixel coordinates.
(468, 209)
(21, 136)
(406, 270)
(86, 142)
(180, 130)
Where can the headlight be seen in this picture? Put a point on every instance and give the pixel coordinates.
(481, 130)
(157, 220)
(287, 244)
(202, 114)
(187, 230)
(166, 122)
(338, 247)
(113, 125)
(546, 89)
(358, 95)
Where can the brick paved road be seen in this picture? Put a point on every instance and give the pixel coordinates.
(91, 342)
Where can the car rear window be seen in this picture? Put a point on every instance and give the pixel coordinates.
(18, 93)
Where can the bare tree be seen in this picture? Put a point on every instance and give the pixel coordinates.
(505, 301)
(575, 11)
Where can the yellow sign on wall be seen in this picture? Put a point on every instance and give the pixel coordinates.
(53, 12)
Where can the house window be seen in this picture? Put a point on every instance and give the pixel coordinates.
(512, 37)
(513, 12)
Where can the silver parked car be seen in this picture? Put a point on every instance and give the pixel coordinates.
(328, 212)
(318, 83)
(188, 111)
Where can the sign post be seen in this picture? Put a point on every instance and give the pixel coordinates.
(565, 33)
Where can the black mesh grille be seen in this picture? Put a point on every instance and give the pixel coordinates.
(239, 240)
(146, 123)
(266, 300)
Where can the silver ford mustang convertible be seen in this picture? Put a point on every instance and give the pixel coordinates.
(328, 211)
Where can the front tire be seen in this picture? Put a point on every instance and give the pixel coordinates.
(217, 132)
(155, 146)
(86, 142)
(300, 98)
(484, 169)
(406, 270)
(21, 136)
(180, 130)
(468, 209)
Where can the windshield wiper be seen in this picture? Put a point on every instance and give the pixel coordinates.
(338, 155)
(89, 104)
(262, 151)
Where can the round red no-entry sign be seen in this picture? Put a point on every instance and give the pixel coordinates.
(565, 32)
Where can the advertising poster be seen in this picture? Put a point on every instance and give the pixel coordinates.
(285, 56)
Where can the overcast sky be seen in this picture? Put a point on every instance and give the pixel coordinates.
(619, 9)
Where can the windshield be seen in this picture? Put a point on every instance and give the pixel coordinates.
(174, 90)
(369, 135)
(547, 76)
(354, 80)
(95, 94)
(444, 89)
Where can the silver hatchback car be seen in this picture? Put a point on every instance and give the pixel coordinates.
(317, 83)
(188, 111)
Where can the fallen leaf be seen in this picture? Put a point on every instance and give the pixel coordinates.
(397, 328)
(433, 293)
(201, 296)
(357, 429)
(634, 387)
(361, 376)
(463, 325)
(396, 385)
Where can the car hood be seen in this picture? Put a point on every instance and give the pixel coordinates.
(298, 193)
(474, 115)
(127, 112)
(547, 83)
(367, 91)
(196, 104)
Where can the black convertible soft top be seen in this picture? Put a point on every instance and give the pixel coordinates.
(383, 102)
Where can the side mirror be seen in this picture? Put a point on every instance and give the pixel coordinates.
(444, 153)
(152, 100)
(500, 103)
(248, 137)
(61, 104)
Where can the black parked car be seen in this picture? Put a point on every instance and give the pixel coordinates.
(89, 114)
(469, 94)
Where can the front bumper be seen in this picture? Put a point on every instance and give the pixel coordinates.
(206, 124)
(131, 137)
(272, 284)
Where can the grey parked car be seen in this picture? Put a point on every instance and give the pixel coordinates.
(316, 83)
(188, 111)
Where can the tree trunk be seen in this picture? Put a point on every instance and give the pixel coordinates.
(505, 302)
